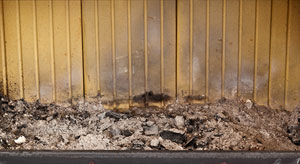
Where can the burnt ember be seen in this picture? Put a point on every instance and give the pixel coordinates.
(173, 136)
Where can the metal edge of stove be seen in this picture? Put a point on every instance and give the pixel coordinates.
(148, 157)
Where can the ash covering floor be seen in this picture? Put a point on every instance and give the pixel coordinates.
(226, 125)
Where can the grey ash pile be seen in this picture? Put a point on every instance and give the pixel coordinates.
(225, 125)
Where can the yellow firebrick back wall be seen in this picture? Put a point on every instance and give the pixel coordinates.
(196, 50)
(129, 48)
